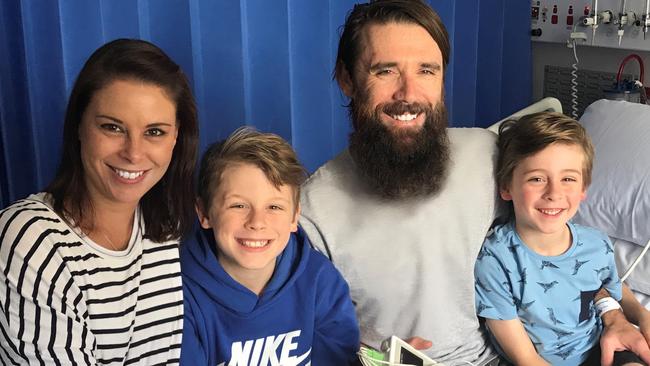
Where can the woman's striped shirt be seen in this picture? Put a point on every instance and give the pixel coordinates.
(66, 300)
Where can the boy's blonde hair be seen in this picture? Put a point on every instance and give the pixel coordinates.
(267, 151)
(519, 139)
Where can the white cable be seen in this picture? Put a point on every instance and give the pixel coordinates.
(636, 261)
(574, 83)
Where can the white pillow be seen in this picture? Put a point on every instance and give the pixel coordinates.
(618, 201)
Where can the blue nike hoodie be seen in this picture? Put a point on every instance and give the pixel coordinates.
(303, 316)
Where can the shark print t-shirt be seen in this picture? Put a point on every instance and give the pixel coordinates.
(553, 296)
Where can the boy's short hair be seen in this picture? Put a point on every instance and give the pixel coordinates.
(519, 139)
(269, 152)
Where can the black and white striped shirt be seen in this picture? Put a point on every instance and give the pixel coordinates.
(66, 300)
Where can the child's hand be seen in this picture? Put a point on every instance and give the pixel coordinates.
(421, 343)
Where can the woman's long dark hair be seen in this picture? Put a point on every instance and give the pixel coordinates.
(168, 207)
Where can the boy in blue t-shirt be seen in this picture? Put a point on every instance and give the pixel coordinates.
(537, 275)
(255, 291)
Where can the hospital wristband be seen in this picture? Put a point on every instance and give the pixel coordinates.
(606, 304)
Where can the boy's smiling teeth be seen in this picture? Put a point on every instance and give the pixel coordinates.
(550, 211)
(404, 117)
(253, 243)
(127, 174)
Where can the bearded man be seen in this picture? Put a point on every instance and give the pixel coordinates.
(402, 213)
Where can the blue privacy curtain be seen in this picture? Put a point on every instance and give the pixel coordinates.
(265, 63)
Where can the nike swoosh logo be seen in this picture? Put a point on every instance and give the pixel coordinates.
(299, 359)
(302, 357)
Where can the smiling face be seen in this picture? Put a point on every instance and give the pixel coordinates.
(127, 136)
(252, 221)
(399, 142)
(398, 75)
(546, 190)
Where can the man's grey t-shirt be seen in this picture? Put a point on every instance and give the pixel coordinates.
(410, 263)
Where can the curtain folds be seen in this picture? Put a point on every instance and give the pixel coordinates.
(257, 62)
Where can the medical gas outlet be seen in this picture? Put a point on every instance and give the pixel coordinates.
(621, 24)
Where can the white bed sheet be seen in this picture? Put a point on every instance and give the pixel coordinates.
(639, 280)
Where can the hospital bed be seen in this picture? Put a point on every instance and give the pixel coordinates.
(618, 200)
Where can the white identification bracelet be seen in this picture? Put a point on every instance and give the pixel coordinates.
(606, 304)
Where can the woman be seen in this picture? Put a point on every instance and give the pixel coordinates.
(90, 271)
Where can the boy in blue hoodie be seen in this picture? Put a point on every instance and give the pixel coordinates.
(255, 291)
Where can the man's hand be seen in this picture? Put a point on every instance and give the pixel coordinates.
(644, 326)
(619, 335)
(635, 312)
(419, 343)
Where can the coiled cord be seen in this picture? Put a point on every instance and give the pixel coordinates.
(574, 83)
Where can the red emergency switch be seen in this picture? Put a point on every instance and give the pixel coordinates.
(554, 16)
(569, 18)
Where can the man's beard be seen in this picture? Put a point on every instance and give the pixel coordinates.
(402, 163)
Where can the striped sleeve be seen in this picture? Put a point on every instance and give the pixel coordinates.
(157, 332)
(43, 315)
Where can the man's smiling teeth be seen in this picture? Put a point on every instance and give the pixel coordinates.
(552, 212)
(253, 243)
(404, 117)
(128, 175)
